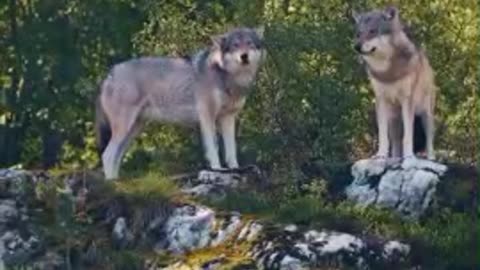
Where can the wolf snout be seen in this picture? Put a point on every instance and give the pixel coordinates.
(358, 47)
(244, 58)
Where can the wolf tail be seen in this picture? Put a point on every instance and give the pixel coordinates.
(102, 128)
(419, 135)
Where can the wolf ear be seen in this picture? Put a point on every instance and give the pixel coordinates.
(260, 31)
(390, 13)
(218, 41)
(355, 16)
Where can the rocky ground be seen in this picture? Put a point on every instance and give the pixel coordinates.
(79, 219)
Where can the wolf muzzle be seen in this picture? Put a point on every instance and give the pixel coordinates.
(358, 47)
(244, 59)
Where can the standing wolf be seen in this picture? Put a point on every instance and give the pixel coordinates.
(402, 80)
(208, 89)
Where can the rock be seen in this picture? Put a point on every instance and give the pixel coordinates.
(13, 182)
(212, 184)
(189, 228)
(326, 248)
(121, 236)
(291, 263)
(407, 187)
(8, 213)
(250, 231)
(394, 250)
(18, 244)
(50, 261)
(16, 249)
(227, 228)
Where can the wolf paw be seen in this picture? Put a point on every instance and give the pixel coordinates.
(409, 157)
(378, 156)
(409, 162)
(208, 176)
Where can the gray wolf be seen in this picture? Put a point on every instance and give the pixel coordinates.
(402, 80)
(207, 89)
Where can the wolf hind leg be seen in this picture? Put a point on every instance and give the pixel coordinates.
(429, 128)
(124, 128)
(125, 143)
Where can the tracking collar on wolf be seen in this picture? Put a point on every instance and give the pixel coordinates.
(385, 45)
(232, 60)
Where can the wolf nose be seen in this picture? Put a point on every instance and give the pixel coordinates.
(244, 58)
(358, 47)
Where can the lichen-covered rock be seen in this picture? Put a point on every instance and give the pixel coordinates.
(18, 244)
(8, 213)
(181, 228)
(122, 237)
(407, 187)
(214, 184)
(16, 249)
(292, 249)
(189, 228)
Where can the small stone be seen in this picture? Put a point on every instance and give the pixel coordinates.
(8, 211)
(291, 263)
(189, 227)
(291, 228)
(121, 236)
(393, 248)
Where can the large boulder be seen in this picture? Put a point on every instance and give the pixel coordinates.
(406, 187)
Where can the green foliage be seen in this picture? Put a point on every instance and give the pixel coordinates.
(311, 99)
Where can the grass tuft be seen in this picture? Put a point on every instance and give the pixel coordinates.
(148, 188)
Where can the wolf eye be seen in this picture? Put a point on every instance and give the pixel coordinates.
(373, 31)
(252, 44)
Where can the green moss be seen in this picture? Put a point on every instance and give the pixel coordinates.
(253, 203)
(148, 188)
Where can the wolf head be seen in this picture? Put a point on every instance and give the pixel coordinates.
(374, 30)
(240, 50)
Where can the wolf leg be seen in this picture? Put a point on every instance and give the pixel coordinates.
(209, 137)
(108, 160)
(125, 143)
(227, 126)
(428, 125)
(407, 119)
(124, 127)
(395, 132)
(383, 111)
